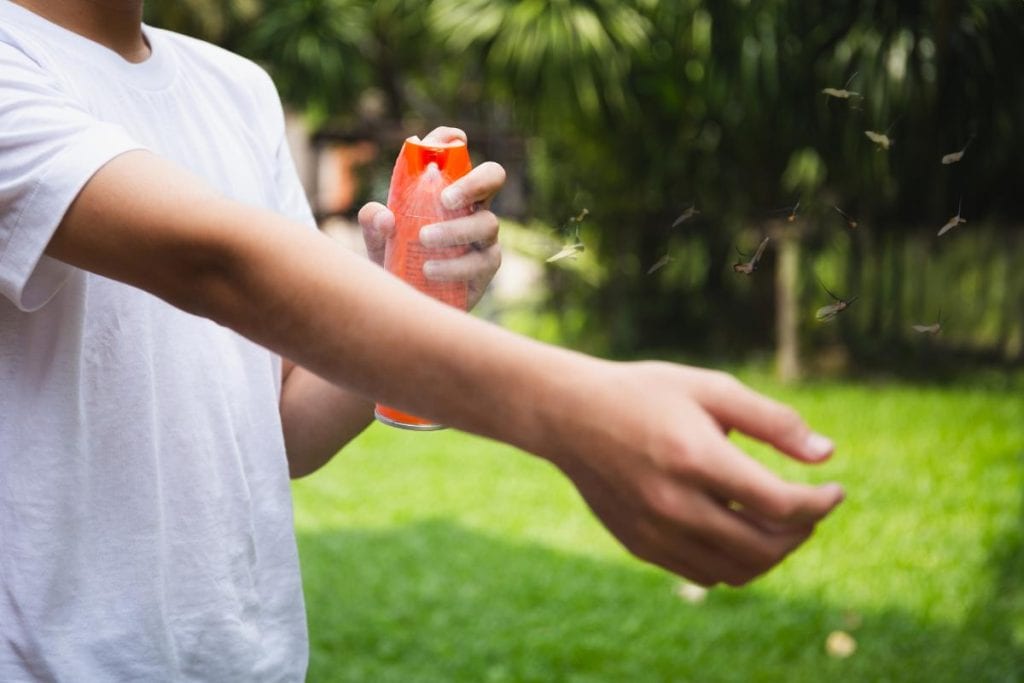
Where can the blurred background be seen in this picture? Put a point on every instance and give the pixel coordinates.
(637, 110)
(688, 131)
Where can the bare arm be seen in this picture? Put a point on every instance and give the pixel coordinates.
(644, 443)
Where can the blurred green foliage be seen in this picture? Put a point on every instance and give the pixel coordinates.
(637, 109)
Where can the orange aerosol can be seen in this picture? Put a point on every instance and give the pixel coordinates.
(422, 171)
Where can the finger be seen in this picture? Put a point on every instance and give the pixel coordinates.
(736, 477)
(690, 559)
(673, 551)
(479, 229)
(704, 563)
(476, 187)
(378, 224)
(445, 135)
(743, 549)
(736, 406)
(473, 265)
(758, 544)
(769, 526)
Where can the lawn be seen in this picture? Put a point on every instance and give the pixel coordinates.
(443, 557)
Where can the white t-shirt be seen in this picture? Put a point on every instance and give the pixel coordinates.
(146, 529)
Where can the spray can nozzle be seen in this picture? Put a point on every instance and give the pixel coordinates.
(452, 159)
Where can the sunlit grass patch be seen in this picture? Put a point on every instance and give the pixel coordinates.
(443, 557)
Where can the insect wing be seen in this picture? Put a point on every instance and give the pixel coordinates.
(953, 222)
(685, 216)
(880, 139)
(759, 252)
(952, 158)
(569, 251)
(827, 313)
(842, 94)
(661, 263)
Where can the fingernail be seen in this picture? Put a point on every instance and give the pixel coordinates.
(430, 269)
(818, 446)
(381, 220)
(429, 234)
(451, 198)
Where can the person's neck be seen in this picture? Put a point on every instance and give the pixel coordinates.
(115, 24)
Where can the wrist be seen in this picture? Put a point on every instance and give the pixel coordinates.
(554, 405)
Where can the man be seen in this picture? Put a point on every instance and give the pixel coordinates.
(157, 262)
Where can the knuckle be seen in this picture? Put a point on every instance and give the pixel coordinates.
(682, 459)
(491, 223)
(720, 383)
(660, 501)
(782, 507)
(788, 420)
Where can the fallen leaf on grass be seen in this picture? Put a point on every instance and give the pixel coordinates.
(840, 644)
(691, 593)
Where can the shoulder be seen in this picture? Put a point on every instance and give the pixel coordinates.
(20, 50)
(235, 72)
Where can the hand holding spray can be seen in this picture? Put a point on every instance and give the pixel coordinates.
(422, 171)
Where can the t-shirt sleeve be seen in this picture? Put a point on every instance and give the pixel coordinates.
(291, 197)
(49, 148)
(291, 194)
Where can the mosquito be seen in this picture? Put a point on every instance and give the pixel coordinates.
(686, 215)
(934, 328)
(954, 221)
(748, 267)
(793, 212)
(660, 263)
(838, 305)
(850, 220)
(954, 157)
(574, 248)
(578, 218)
(569, 251)
(881, 139)
(842, 93)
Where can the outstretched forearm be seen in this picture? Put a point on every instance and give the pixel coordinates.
(645, 443)
(149, 224)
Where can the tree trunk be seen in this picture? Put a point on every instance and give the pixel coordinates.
(787, 308)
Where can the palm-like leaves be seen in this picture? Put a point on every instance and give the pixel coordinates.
(313, 48)
(570, 55)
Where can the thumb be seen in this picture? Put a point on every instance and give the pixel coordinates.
(378, 224)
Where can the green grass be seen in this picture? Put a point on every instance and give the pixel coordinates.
(443, 557)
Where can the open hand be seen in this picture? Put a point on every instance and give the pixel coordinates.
(664, 478)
